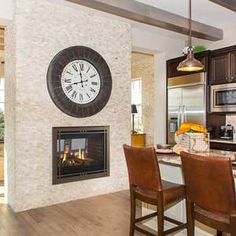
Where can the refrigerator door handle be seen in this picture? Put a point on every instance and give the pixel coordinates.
(179, 117)
(184, 114)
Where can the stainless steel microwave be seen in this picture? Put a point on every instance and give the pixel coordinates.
(223, 98)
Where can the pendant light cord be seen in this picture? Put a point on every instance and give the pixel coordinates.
(190, 63)
(190, 23)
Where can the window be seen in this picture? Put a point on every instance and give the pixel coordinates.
(136, 98)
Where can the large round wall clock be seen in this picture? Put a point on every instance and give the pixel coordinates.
(79, 81)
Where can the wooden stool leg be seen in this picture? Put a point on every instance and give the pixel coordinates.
(219, 233)
(190, 218)
(132, 212)
(160, 217)
(233, 225)
(160, 223)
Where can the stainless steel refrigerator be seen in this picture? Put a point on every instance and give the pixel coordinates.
(186, 102)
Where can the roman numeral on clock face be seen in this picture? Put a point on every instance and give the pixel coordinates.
(88, 69)
(69, 88)
(74, 94)
(91, 76)
(94, 83)
(81, 97)
(81, 66)
(92, 90)
(75, 67)
(68, 72)
(68, 80)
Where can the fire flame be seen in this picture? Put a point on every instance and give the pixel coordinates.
(70, 157)
(80, 155)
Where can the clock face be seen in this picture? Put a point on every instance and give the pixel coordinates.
(80, 81)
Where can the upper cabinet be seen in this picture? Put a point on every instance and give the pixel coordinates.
(233, 64)
(220, 65)
(223, 66)
(173, 63)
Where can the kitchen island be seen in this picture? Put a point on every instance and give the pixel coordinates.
(170, 167)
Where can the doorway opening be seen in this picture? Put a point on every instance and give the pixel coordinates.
(142, 96)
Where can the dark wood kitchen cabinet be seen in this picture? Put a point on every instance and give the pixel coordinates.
(233, 65)
(223, 66)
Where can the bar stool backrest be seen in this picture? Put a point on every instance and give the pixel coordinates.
(209, 182)
(143, 168)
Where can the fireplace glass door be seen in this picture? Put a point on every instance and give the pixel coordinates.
(80, 153)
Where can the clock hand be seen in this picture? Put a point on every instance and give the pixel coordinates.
(76, 82)
(80, 82)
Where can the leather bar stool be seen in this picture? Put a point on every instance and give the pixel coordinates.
(146, 185)
(210, 192)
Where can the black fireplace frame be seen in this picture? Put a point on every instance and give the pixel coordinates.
(56, 131)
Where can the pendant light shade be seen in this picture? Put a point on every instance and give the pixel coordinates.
(190, 63)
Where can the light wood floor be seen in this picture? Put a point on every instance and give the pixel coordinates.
(106, 215)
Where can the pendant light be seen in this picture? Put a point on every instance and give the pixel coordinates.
(190, 63)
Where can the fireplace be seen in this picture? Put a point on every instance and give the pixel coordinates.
(80, 153)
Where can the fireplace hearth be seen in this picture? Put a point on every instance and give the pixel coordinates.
(80, 153)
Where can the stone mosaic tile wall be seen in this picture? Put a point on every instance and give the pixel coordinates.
(143, 67)
(10, 113)
(42, 29)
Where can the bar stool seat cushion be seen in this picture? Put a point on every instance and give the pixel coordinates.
(171, 193)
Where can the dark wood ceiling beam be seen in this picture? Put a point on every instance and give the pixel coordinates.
(143, 13)
(230, 4)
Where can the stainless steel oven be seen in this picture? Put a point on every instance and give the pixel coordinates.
(223, 98)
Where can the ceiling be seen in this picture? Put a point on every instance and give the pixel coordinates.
(203, 11)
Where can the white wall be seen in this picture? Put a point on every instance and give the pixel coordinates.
(6, 11)
(163, 48)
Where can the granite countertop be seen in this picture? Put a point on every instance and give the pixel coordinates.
(174, 159)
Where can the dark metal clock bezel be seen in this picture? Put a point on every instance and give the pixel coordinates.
(55, 89)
